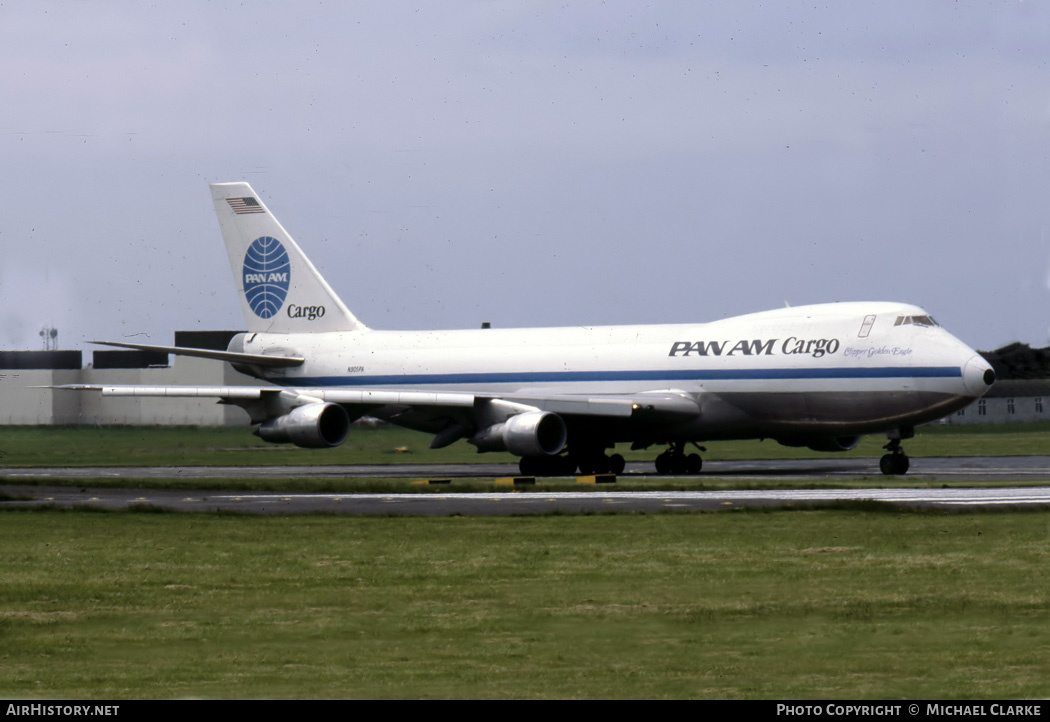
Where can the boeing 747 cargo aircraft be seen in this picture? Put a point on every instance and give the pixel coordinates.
(561, 398)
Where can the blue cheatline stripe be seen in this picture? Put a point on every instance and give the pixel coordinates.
(887, 372)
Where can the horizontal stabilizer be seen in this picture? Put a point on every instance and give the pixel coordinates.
(249, 359)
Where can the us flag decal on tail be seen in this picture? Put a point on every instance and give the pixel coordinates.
(241, 206)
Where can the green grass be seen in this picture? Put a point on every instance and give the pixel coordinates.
(188, 446)
(225, 446)
(795, 605)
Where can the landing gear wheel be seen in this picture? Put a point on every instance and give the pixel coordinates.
(675, 461)
(663, 463)
(546, 465)
(886, 464)
(693, 463)
(902, 464)
(591, 459)
(679, 465)
(590, 466)
(894, 464)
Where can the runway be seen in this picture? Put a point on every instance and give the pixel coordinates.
(594, 498)
(512, 502)
(949, 469)
(958, 469)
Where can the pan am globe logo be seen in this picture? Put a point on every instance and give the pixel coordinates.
(267, 275)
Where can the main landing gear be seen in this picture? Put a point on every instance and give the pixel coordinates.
(676, 461)
(595, 462)
(592, 459)
(563, 465)
(896, 462)
(602, 464)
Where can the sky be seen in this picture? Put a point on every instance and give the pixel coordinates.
(527, 163)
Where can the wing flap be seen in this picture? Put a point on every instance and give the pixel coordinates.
(651, 406)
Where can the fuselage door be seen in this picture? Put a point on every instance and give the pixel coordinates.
(865, 328)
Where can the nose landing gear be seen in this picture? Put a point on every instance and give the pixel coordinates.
(896, 462)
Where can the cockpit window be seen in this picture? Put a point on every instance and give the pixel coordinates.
(915, 320)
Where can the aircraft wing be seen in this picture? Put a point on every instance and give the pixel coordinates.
(657, 406)
(524, 424)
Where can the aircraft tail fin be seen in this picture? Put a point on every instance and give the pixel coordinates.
(280, 290)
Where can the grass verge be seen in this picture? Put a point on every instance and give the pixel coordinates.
(841, 604)
(226, 446)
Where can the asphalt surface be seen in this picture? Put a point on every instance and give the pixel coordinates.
(517, 499)
(985, 468)
(513, 502)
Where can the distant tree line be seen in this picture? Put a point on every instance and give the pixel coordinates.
(1019, 361)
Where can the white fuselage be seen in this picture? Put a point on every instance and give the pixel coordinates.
(828, 369)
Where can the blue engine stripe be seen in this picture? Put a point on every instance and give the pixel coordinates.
(889, 372)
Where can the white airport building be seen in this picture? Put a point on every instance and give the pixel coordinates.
(22, 402)
(1010, 401)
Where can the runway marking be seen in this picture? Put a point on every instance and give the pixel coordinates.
(1009, 495)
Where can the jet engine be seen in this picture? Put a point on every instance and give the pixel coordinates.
(311, 426)
(825, 443)
(533, 433)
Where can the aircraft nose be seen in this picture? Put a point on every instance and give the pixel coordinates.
(978, 376)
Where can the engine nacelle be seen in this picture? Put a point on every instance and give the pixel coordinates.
(533, 433)
(312, 426)
(826, 443)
